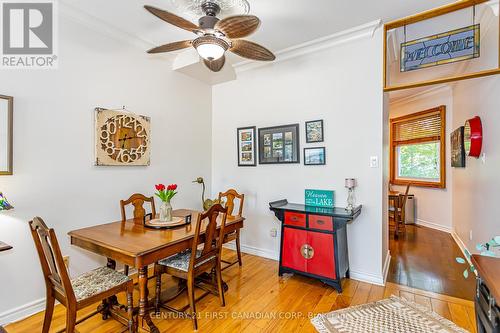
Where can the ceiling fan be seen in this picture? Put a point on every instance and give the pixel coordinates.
(215, 36)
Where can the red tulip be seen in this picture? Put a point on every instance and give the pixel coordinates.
(174, 187)
(160, 187)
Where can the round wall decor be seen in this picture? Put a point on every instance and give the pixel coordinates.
(473, 137)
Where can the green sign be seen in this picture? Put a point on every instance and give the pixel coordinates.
(319, 198)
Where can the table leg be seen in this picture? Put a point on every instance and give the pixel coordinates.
(143, 299)
(107, 304)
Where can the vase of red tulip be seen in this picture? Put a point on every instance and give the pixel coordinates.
(165, 194)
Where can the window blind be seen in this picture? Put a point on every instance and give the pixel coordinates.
(419, 128)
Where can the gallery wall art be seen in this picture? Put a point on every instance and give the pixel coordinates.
(279, 144)
(315, 156)
(457, 148)
(314, 131)
(247, 149)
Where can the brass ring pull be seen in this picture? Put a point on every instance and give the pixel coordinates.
(307, 251)
(294, 218)
(320, 222)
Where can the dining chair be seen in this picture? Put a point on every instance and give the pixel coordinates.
(229, 196)
(137, 200)
(399, 210)
(202, 257)
(81, 291)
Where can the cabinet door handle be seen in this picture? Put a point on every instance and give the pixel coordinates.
(294, 218)
(320, 222)
(307, 251)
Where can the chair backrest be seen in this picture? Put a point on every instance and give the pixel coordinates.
(137, 200)
(52, 262)
(213, 238)
(230, 195)
(402, 201)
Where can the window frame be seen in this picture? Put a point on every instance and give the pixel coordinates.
(442, 142)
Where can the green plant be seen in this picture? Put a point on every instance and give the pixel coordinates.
(166, 194)
(486, 249)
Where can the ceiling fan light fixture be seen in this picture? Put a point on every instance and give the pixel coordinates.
(210, 47)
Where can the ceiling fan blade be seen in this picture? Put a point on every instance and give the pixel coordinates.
(215, 65)
(171, 47)
(251, 50)
(172, 18)
(238, 26)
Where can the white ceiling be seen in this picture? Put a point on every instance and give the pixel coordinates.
(285, 23)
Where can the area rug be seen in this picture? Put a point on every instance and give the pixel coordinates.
(394, 315)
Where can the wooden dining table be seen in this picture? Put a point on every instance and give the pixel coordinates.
(132, 244)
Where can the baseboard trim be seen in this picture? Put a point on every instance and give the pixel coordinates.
(367, 277)
(254, 251)
(22, 311)
(434, 226)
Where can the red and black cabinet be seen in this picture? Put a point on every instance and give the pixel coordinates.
(314, 241)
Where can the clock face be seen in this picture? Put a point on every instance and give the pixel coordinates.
(122, 138)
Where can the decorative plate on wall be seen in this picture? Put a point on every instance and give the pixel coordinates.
(121, 138)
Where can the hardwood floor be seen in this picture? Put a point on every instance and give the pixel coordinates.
(259, 301)
(424, 258)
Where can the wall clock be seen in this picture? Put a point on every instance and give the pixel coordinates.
(473, 137)
(121, 138)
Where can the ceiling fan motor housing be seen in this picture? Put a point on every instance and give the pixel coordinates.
(208, 22)
(211, 9)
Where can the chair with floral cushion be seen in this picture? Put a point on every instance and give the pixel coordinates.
(201, 258)
(229, 196)
(97, 285)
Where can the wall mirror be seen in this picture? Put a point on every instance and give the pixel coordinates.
(6, 120)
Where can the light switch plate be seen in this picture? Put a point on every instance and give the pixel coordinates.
(374, 162)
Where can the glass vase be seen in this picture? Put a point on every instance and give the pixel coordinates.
(351, 200)
(166, 212)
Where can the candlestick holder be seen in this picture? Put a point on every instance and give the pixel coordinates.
(350, 184)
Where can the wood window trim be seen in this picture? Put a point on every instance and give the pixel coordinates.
(442, 140)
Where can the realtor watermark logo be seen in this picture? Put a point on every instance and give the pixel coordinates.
(28, 32)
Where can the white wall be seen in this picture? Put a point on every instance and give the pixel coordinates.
(54, 176)
(433, 205)
(341, 85)
(475, 187)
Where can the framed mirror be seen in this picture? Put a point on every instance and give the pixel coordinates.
(6, 121)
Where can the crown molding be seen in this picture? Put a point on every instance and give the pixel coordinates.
(102, 27)
(362, 31)
(433, 90)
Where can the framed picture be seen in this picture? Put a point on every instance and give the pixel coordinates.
(246, 146)
(458, 148)
(315, 156)
(314, 131)
(279, 144)
(6, 134)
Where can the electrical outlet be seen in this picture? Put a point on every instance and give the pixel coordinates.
(66, 261)
(470, 234)
(273, 232)
(483, 158)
